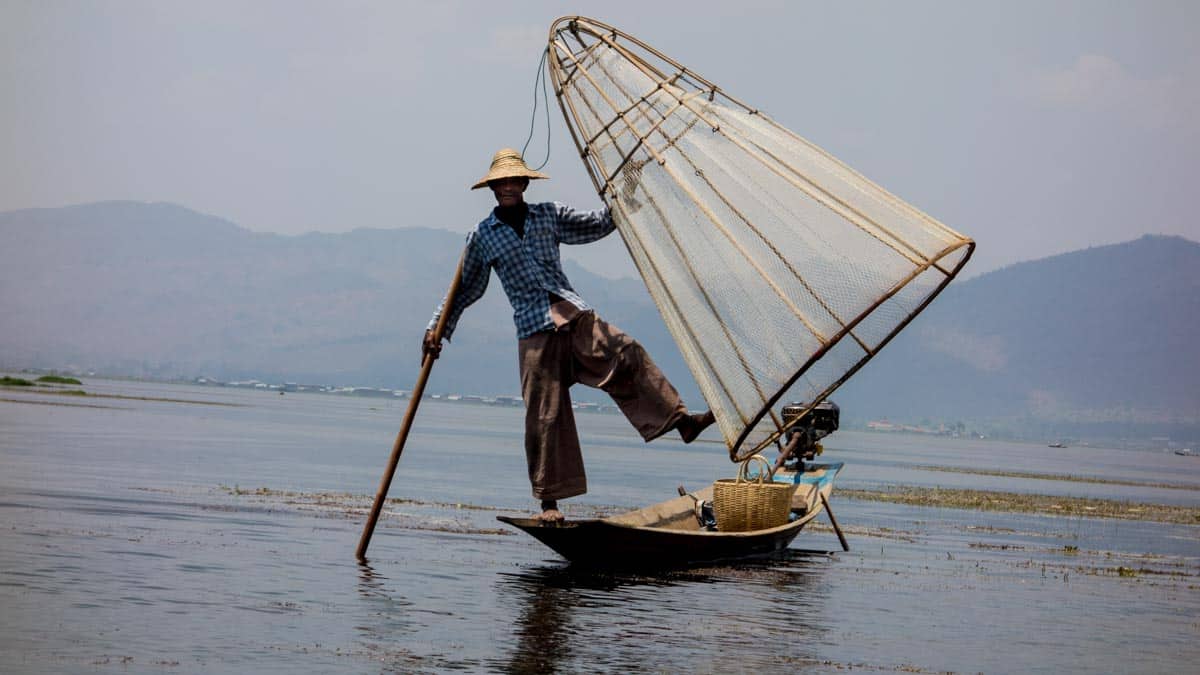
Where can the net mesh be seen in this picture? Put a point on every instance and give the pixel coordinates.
(778, 270)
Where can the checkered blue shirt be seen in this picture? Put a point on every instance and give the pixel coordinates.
(529, 268)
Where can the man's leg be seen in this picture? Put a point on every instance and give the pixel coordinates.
(552, 451)
(609, 359)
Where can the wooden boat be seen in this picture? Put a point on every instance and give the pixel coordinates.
(669, 534)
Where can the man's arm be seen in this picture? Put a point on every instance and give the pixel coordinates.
(475, 274)
(583, 227)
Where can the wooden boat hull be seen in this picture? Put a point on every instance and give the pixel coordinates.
(667, 534)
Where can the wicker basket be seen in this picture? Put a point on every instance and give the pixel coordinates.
(742, 505)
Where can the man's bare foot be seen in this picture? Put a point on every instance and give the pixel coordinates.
(550, 516)
(550, 512)
(690, 426)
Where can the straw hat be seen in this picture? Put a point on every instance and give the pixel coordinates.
(508, 164)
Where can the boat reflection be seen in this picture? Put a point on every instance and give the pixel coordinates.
(574, 618)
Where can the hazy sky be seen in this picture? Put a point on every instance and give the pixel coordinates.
(1034, 127)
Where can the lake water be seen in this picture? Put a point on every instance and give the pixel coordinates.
(152, 536)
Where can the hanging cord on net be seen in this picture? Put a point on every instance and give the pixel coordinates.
(541, 76)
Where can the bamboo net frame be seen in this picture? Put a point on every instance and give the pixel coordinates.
(747, 236)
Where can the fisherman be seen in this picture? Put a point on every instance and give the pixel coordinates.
(561, 341)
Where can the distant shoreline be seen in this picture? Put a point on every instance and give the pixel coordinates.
(78, 393)
(849, 423)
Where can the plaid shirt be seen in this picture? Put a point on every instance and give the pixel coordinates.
(529, 268)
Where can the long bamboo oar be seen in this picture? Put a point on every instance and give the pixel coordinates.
(841, 537)
(418, 390)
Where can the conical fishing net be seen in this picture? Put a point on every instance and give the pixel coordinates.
(778, 270)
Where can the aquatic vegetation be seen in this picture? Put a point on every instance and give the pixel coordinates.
(1057, 505)
(1062, 477)
(57, 379)
(14, 382)
(996, 547)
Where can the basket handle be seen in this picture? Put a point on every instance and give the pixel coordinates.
(763, 473)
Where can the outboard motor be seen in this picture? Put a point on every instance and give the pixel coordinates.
(821, 421)
(818, 423)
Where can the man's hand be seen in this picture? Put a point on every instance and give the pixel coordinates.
(430, 347)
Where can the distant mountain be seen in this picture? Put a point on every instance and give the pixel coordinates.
(1103, 336)
(1106, 335)
(154, 289)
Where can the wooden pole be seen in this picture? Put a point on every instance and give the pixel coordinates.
(414, 401)
(841, 537)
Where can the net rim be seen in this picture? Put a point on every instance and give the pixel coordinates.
(736, 456)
